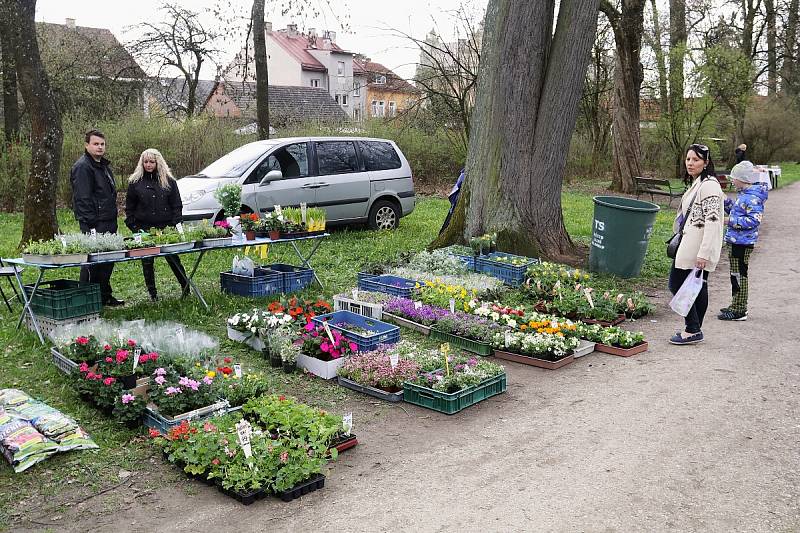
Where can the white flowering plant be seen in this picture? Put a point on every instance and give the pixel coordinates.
(549, 346)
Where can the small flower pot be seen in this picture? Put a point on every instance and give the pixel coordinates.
(265, 352)
(289, 368)
(128, 382)
(274, 235)
(250, 235)
(275, 360)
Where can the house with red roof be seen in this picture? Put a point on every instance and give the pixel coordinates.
(297, 59)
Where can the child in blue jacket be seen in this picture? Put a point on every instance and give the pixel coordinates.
(742, 233)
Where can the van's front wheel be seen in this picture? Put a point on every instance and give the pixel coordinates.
(384, 215)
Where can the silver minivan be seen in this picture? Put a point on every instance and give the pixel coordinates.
(355, 179)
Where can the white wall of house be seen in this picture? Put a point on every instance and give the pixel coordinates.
(283, 69)
(312, 78)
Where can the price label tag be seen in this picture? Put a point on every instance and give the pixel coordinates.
(179, 227)
(278, 210)
(303, 211)
(179, 333)
(237, 370)
(137, 238)
(93, 233)
(63, 241)
(328, 330)
(355, 294)
(452, 305)
(244, 430)
(136, 353)
(417, 305)
(394, 359)
(120, 337)
(588, 292)
(347, 422)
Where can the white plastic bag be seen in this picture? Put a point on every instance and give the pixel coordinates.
(243, 266)
(687, 294)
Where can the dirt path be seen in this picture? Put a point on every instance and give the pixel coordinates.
(701, 438)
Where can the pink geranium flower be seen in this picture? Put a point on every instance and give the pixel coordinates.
(83, 341)
(160, 380)
(109, 360)
(131, 343)
(127, 398)
(309, 326)
(109, 381)
(84, 367)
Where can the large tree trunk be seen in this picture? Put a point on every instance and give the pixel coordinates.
(262, 75)
(46, 135)
(10, 102)
(772, 44)
(628, 26)
(527, 105)
(789, 82)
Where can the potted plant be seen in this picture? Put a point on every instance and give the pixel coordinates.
(273, 224)
(414, 315)
(467, 332)
(321, 353)
(373, 373)
(141, 245)
(105, 246)
(171, 240)
(289, 352)
(229, 197)
(614, 340)
(543, 346)
(96, 387)
(249, 222)
(129, 409)
(315, 220)
(55, 252)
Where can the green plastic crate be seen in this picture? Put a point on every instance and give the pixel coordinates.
(469, 345)
(455, 402)
(61, 299)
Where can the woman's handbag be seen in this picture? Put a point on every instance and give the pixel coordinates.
(674, 242)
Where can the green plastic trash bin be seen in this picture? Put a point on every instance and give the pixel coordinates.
(620, 232)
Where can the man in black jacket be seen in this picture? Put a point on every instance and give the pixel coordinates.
(94, 202)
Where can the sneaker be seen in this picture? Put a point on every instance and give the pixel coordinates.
(693, 339)
(724, 309)
(729, 314)
(113, 302)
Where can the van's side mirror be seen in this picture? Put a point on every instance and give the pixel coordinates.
(272, 175)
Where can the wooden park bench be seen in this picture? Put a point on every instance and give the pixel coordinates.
(653, 186)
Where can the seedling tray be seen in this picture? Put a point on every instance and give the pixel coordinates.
(154, 419)
(315, 482)
(534, 361)
(453, 402)
(468, 345)
(622, 352)
(406, 323)
(372, 391)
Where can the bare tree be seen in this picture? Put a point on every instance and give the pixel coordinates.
(9, 67)
(788, 74)
(179, 42)
(628, 26)
(525, 113)
(40, 220)
(595, 104)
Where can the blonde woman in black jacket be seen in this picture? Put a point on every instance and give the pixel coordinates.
(154, 201)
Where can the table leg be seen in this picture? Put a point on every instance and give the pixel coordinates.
(27, 302)
(305, 260)
(190, 281)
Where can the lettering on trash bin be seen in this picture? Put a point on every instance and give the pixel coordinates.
(597, 234)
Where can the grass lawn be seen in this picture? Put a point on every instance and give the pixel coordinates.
(25, 364)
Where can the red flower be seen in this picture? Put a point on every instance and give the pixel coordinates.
(282, 398)
(226, 370)
(228, 360)
(153, 356)
(214, 461)
(131, 343)
(109, 381)
(154, 433)
(106, 347)
(83, 341)
(109, 360)
(84, 367)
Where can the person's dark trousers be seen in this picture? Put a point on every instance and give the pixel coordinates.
(694, 320)
(174, 263)
(100, 274)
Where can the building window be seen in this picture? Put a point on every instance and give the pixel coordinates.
(374, 108)
(340, 68)
(357, 114)
(356, 89)
(392, 109)
(380, 79)
(344, 99)
(315, 82)
(378, 108)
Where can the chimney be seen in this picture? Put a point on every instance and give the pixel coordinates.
(291, 30)
(268, 26)
(329, 35)
(69, 23)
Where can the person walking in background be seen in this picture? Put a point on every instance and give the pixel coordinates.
(702, 209)
(741, 234)
(153, 201)
(94, 202)
(740, 152)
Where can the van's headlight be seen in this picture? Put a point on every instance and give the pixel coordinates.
(193, 197)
